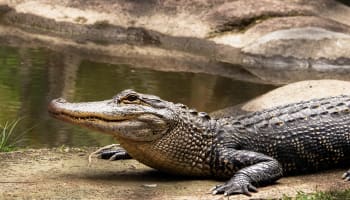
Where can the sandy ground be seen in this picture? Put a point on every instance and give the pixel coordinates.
(64, 174)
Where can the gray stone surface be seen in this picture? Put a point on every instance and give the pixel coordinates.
(291, 93)
(272, 40)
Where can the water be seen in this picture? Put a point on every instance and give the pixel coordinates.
(31, 77)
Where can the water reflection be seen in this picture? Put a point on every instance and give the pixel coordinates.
(30, 78)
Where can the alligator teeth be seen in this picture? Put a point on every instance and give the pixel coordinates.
(87, 118)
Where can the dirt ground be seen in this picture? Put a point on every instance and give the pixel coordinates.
(64, 174)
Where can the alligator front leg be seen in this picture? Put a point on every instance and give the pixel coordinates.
(110, 152)
(254, 169)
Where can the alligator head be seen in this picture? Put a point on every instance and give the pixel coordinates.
(154, 131)
(128, 115)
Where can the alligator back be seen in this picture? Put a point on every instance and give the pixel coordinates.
(305, 136)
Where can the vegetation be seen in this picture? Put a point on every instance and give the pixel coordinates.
(330, 195)
(8, 140)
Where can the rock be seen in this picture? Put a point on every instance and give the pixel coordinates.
(271, 41)
(295, 92)
(299, 91)
(302, 43)
(284, 42)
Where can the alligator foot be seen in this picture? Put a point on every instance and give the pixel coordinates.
(235, 186)
(110, 152)
(346, 175)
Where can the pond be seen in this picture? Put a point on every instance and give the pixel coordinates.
(31, 77)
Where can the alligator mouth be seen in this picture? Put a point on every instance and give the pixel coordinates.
(57, 110)
(72, 117)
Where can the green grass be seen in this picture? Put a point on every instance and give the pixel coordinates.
(330, 195)
(8, 137)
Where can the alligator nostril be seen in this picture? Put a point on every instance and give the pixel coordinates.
(60, 100)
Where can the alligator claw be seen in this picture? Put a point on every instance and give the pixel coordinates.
(110, 152)
(346, 175)
(231, 187)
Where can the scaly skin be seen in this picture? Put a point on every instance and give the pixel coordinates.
(251, 150)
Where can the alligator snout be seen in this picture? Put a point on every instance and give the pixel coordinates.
(54, 105)
(59, 100)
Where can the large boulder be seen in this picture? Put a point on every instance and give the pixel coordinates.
(292, 93)
(269, 41)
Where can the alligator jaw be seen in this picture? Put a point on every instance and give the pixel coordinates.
(80, 112)
(122, 121)
(101, 115)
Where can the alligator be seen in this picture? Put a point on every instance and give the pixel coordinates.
(251, 150)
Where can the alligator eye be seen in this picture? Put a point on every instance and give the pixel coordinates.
(131, 97)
